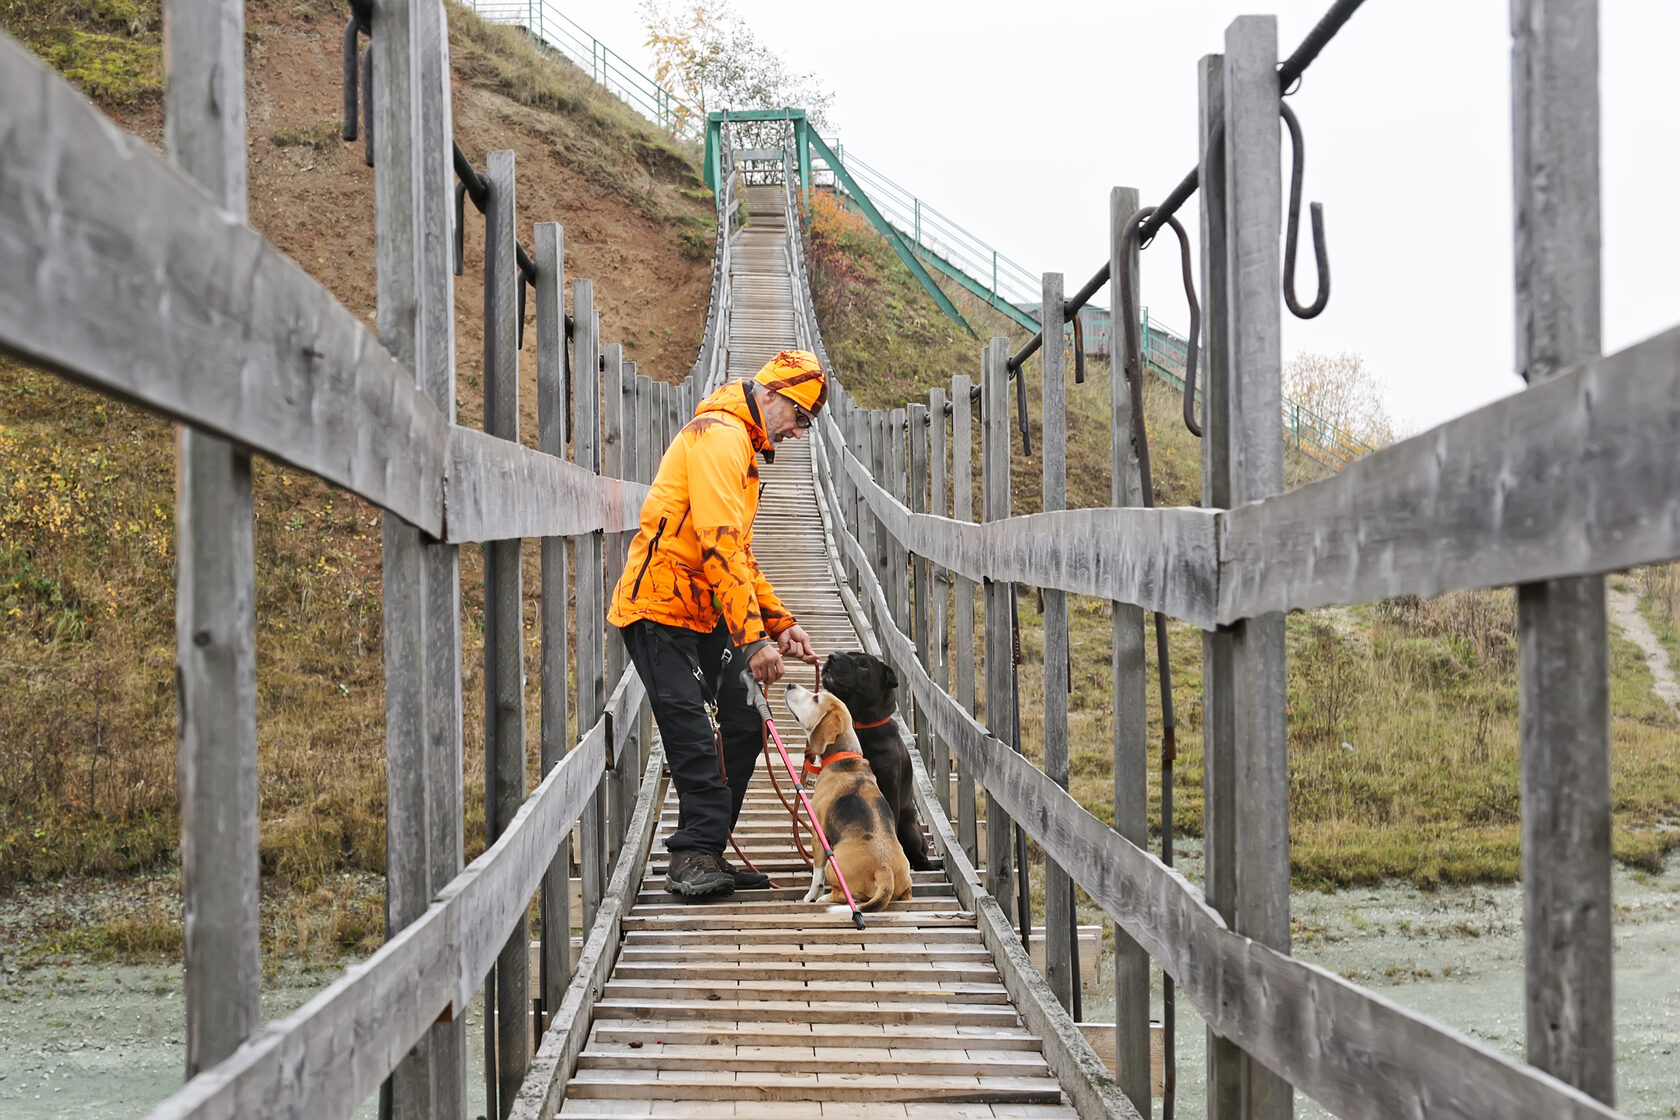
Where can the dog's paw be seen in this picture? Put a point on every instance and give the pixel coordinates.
(839, 911)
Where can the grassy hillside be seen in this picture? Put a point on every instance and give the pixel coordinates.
(1403, 713)
(87, 765)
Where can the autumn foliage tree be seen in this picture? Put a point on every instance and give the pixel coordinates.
(708, 56)
(1341, 389)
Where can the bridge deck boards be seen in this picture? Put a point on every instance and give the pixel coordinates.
(763, 1005)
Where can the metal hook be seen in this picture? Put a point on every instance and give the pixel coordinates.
(1292, 236)
(351, 28)
(367, 104)
(1133, 364)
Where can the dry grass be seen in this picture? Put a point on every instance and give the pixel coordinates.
(1659, 601)
(1403, 739)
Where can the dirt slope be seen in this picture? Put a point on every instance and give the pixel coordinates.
(86, 524)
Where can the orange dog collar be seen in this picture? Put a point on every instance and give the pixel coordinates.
(877, 723)
(837, 756)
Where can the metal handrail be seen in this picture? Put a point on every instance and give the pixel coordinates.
(552, 27)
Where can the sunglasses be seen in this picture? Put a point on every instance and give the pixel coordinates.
(801, 417)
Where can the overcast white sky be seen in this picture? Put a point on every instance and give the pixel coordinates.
(1015, 119)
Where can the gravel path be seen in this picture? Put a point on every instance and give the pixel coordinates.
(1624, 612)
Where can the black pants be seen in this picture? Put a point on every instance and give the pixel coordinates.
(666, 657)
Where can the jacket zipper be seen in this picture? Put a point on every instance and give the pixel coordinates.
(636, 592)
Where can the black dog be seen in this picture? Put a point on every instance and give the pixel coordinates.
(869, 688)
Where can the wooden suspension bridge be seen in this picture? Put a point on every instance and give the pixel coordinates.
(764, 1005)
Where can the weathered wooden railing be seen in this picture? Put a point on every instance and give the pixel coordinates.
(1548, 489)
(128, 276)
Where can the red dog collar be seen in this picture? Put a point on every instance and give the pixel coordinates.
(837, 756)
(877, 723)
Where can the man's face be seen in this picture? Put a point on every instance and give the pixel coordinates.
(783, 419)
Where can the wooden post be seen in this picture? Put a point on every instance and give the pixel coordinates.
(1131, 708)
(215, 612)
(1000, 700)
(921, 590)
(1253, 208)
(648, 453)
(897, 555)
(612, 550)
(504, 624)
(863, 448)
(962, 654)
(938, 586)
(1058, 888)
(1562, 629)
(591, 608)
(881, 469)
(549, 245)
(1219, 790)
(630, 467)
(422, 592)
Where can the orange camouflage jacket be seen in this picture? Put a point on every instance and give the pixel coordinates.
(691, 561)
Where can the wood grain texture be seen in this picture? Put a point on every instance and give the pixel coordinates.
(215, 612)
(411, 142)
(190, 313)
(554, 704)
(1562, 626)
(1219, 789)
(1059, 918)
(921, 573)
(1081, 1072)
(1367, 1057)
(1573, 475)
(613, 547)
(325, 1058)
(963, 595)
(498, 490)
(939, 583)
(1130, 740)
(1253, 200)
(1161, 559)
(545, 1086)
(504, 624)
(1000, 666)
(590, 595)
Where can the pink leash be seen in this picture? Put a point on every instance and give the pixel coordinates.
(756, 695)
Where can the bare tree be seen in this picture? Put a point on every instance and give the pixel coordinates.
(708, 55)
(1342, 391)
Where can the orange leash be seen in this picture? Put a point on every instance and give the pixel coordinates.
(717, 748)
(775, 784)
(793, 811)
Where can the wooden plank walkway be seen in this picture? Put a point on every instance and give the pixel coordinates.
(761, 1005)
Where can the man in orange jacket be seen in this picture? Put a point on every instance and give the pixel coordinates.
(693, 607)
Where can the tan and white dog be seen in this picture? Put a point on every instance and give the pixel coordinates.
(853, 812)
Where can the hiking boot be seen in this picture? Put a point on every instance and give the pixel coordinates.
(698, 874)
(745, 878)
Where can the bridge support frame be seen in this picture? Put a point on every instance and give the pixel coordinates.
(1562, 627)
(1253, 209)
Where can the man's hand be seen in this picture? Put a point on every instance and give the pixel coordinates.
(796, 643)
(766, 666)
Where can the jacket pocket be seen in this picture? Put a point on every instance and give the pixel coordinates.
(653, 546)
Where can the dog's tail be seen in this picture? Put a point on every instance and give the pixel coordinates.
(883, 892)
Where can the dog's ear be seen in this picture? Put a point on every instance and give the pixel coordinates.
(889, 679)
(830, 728)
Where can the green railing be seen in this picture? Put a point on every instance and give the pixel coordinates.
(552, 27)
(918, 231)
